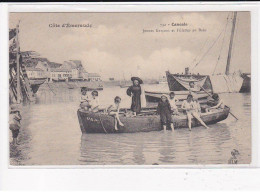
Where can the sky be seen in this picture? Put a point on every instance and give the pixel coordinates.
(116, 45)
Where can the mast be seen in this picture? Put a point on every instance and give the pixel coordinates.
(231, 42)
(18, 89)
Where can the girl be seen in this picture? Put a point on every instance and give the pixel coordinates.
(135, 92)
(196, 105)
(94, 102)
(113, 110)
(172, 102)
(164, 110)
(188, 106)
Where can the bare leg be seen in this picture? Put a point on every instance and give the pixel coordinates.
(114, 114)
(116, 124)
(189, 120)
(199, 119)
(164, 128)
(172, 127)
(117, 117)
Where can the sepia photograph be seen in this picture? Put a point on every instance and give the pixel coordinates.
(130, 88)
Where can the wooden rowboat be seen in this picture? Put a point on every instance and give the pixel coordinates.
(100, 122)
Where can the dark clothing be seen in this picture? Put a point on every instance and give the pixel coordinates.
(164, 109)
(15, 130)
(136, 98)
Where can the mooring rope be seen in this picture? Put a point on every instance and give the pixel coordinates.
(102, 124)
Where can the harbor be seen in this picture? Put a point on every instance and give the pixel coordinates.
(61, 139)
(83, 108)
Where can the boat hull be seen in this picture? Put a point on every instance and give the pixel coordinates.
(36, 83)
(102, 123)
(180, 95)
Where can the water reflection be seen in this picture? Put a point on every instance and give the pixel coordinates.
(56, 138)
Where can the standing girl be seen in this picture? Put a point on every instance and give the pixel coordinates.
(135, 92)
(164, 110)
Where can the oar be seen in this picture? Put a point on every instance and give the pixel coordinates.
(225, 105)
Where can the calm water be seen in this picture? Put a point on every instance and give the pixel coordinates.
(56, 139)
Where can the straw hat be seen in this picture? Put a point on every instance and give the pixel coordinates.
(138, 79)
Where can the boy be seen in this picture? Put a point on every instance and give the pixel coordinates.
(172, 101)
(84, 99)
(113, 110)
(14, 123)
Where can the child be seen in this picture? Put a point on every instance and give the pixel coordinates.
(113, 110)
(14, 123)
(188, 106)
(216, 103)
(93, 101)
(196, 105)
(172, 102)
(84, 99)
(164, 109)
(233, 159)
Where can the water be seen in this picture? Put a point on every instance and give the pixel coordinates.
(56, 139)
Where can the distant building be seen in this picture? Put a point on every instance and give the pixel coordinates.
(85, 75)
(76, 68)
(94, 77)
(60, 74)
(34, 73)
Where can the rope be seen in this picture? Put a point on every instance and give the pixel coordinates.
(200, 51)
(208, 49)
(50, 88)
(102, 123)
(221, 45)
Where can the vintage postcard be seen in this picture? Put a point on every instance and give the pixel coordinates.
(130, 88)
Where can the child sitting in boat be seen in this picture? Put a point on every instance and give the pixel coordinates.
(216, 102)
(196, 105)
(84, 99)
(188, 106)
(93, 101)
(164, 110)
(113, 110)
(172, 101)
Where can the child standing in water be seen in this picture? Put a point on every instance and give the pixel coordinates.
(14, 123)
(113, 110)
(164, 110)
(172, 102)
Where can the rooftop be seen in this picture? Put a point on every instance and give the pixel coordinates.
(93, 75)
(33, 69)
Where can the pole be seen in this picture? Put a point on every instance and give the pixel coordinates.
(18, 66)
(231, 43)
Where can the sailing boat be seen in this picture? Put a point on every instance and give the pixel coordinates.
(228, 82)
(179, 83)
(124, 83)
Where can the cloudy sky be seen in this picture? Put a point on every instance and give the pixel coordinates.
(116, 45)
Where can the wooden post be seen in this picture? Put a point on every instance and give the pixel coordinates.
(18, 89)
(231, 43)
